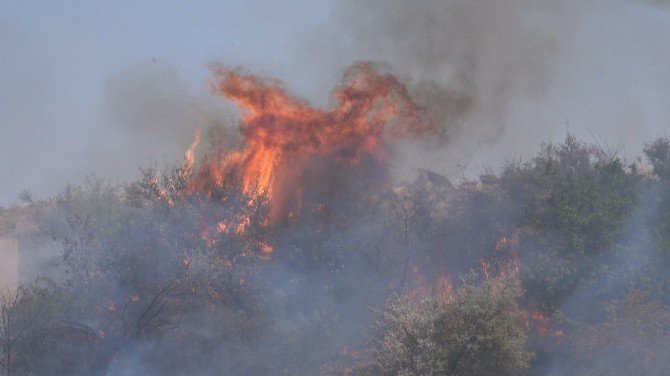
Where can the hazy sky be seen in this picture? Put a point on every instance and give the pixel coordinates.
(102, 87)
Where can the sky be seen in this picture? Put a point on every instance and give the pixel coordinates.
(99, 87)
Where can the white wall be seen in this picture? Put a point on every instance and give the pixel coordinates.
(9, 262)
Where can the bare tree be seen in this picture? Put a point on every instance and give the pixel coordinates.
(9, 333)
(411, 210)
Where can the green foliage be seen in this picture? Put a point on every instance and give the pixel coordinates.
(151, 280)
(633, 338)
(658, 154)
(477, 331)
(140, 267)
(577, 200)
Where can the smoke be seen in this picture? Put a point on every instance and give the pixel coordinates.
(658, 3)
(496, 77)
(151, 98)
(157, 113)
(469, 63)
(500, 77)
(478, 57)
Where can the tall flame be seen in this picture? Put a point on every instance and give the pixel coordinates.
(283, 136)
(189, 155)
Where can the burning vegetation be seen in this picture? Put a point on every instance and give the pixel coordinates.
(294, 253)
(291, 148)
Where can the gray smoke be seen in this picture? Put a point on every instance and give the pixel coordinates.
(156, 112)
(499, 77)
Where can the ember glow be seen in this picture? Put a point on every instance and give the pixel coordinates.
(287, 142)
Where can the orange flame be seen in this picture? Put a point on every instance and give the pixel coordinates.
(421, 286)
(266, 248)
(189, 155)
(537, 321)
(187, 259)
(283, 136)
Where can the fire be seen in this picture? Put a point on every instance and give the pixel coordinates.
(443, 285)
(187, 259)
(189, 155)
(541, 324)
(421, 286)
(242, 226)
(505, 260)
(507, 247)
(222, 226)
(266, 248)
(286, 140)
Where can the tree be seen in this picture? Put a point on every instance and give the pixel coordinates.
(151, 264)
(476, 331)
(658, 154)
(30, 325)
(632, 339)
(576, 201)
(410, 211)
